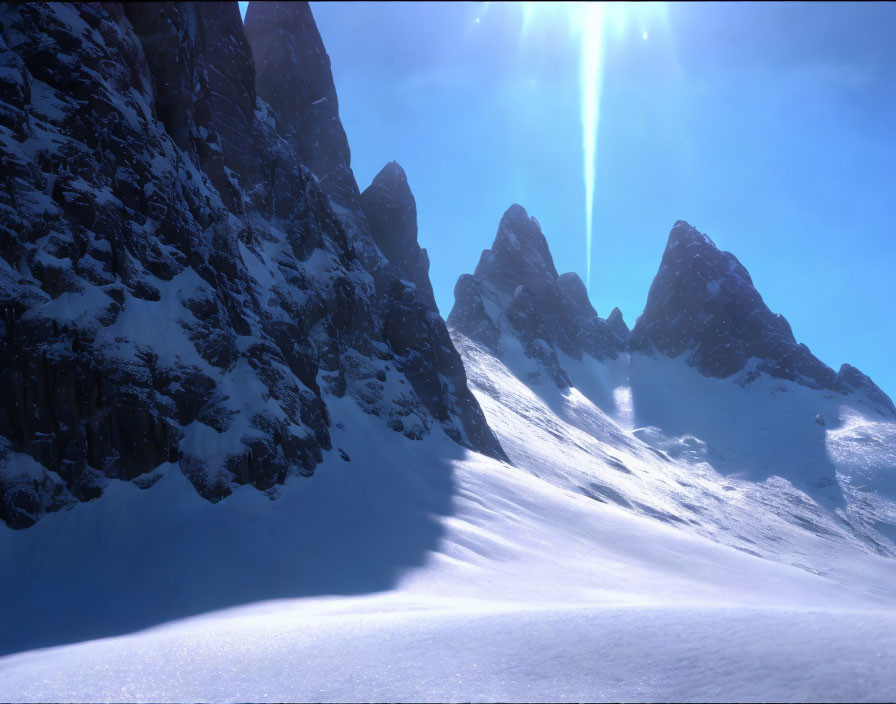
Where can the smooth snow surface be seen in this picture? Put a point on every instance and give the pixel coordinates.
(617, 561)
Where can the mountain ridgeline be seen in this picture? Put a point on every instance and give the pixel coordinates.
(702, 305)
(187, 267)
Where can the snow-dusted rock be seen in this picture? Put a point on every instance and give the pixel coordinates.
(515, 290)
(617, 325)
(391, 213)
(703, 304)
(858, 382)
(293, 76)
(176, 285)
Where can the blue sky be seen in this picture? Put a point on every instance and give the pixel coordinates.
(770, 127)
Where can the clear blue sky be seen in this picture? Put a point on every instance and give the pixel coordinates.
(771, 127)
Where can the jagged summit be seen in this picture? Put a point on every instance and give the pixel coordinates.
(516, 291)
(391, 212)
(703, 303)
(617, 325)
(519, 255)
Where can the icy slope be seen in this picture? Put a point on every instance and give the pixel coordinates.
(517, 590)
(829, 488)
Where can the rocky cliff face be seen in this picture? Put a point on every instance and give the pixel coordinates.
(181, 268)
(515, 290)
(293, 76)
(391, 213)
(703, 304)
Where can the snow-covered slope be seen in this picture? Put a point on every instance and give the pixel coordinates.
(748, 467)
(761, 458)
(615, 561)
(427, 573)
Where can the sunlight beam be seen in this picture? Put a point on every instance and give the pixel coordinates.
(591, 83)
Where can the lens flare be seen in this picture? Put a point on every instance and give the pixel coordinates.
(591, 83)
(591, 23)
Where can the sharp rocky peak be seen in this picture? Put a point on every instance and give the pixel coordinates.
(519, 255)
(617, 325)
(516, 291)
(702, 303)
(391, 212)
(293, 75)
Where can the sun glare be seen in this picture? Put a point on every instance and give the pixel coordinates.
(592, 24)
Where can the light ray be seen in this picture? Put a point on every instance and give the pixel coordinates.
(593, 24)
(591, 84)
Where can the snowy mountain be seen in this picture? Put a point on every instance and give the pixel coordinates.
(178, 287)
(707, 415)
(242, 457)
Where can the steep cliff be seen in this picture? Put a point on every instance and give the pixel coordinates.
(177, 285)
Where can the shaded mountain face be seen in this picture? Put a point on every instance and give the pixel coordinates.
(515, 290)
(703, 304)
(293, 76)
(176, 281)
(391, 213)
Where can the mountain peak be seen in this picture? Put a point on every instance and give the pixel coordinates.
(703, 303)
(293, 75)
(683, 233)
(519, 255)
(617, 324)
(391, 212)
(516, 290)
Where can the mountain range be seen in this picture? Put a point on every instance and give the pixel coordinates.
(226, 376)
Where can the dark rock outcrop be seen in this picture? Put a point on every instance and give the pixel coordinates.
(515, 290)
(618, 326)
(293, 76)
(856, 381)
(703, 304)
(413, 327)
(176, 285)
(391, 213)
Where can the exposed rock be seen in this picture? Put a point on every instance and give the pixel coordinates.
(391, 212)
(174, 282)
(519, 255)
(857, 381)
(413, 327)
(293, 76)
(617, 325)
(515, 290)
(702, 303)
